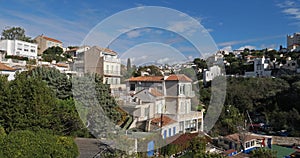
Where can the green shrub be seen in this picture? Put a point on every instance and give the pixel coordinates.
(41, 144)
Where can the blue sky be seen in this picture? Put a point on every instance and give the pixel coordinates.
(232, 24)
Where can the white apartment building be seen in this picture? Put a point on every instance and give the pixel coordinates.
(211, 73)
(19, 48)
(260, 68)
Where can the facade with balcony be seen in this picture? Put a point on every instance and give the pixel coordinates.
(102, 61)
(19, 48)
(163, 103)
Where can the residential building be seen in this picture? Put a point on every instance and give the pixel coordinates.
(243, 142)
(74, 51)
(293, 42)
(9, 71)
(45, 42)
(290, 64)
(102, 61)
(261, 68)
(211, 73)
(163, 103)
(19, 48)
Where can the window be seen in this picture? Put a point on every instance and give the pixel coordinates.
(170, 132)
(252, 143)
(247, 144)
(26, 50)
(32, 50)
(181, 89)
(147, 111)
(174, 130)
(165, 134)
(181, 125)
(132, 87)
(19, 48)
(107, 68)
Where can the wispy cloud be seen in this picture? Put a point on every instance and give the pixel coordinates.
(187, 26)
(232, 43)
(68, 31)
(291, 9)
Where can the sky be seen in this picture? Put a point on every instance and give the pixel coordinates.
(255, 24)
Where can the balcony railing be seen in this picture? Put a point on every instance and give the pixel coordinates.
(110, 72)
(117, 60)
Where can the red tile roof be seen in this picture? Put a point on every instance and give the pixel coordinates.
(51, 39)
(227, 152)
(165, 120)
(62, 65)
(236, 137)
(106, 50)
(147, 78)
(4, 67)
(182, 139)
(179, 77)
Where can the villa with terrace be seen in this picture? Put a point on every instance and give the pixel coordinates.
(163, 103)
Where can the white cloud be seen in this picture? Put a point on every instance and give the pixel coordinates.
(290, 8)
(286, 4)
(186, 26)
(65, 30)
(232, 43)
(294, 12)
(227, 48)
(153, 53)
(133, 34)
(247, 46)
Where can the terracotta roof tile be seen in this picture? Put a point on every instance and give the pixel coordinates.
(236, 137)
(147, 78)
(62, 65)
(4, 67)
(179, 77)
(106, 50)
(51, 39)
(165, 120)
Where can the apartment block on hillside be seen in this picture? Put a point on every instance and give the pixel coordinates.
(19, 48)
(45, 42)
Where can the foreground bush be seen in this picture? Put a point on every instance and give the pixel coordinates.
(41, 144)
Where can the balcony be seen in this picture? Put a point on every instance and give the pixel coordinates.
(110, 59)
(111, 72)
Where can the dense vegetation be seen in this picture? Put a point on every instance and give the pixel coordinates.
(38, 108)
(273, 101)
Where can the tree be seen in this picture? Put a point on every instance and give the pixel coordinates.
(58, 82)
(15, 33)
(263, 153)
(128, 64)
(54, 53)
